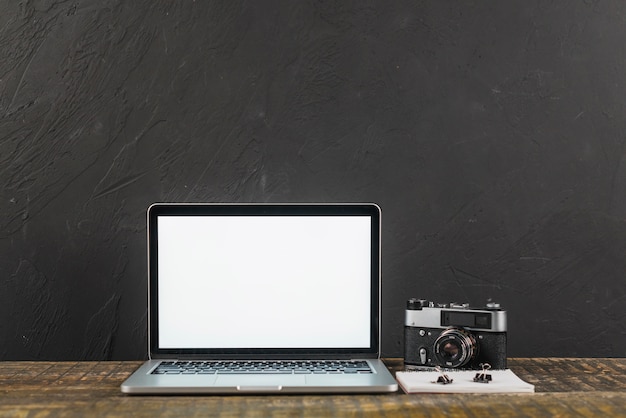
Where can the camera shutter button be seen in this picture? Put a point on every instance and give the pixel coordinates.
(495, 306)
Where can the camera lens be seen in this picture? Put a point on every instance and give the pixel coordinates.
(455, 347)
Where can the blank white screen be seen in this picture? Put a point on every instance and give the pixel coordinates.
(264, 281)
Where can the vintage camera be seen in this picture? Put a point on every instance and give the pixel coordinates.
(454, 335)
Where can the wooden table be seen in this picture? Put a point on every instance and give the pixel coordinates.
(564, 387)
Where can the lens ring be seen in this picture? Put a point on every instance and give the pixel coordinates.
(455, 347)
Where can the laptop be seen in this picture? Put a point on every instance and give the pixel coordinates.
(263, 298)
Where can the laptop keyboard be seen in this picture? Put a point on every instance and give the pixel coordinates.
(263, 367)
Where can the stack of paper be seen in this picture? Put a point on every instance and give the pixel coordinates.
(502, 381)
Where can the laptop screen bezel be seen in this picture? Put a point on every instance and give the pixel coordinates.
(270, 209)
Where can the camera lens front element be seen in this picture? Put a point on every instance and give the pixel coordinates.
(455, 347)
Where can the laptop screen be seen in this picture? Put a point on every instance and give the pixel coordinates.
(262, 279)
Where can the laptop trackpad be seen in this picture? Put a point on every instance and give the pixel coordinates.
(256, 380)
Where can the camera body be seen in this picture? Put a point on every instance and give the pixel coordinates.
(454, 335)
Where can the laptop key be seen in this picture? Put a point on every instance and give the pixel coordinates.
(233, 372)
(269, 371)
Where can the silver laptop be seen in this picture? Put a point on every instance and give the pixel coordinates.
(263, 298)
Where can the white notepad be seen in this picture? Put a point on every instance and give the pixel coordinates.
(503, 381)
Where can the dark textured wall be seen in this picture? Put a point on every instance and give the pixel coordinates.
(491, 133)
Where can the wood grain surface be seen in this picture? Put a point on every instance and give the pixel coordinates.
(564, 387)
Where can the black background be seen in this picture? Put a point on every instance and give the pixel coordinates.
(491, 133)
